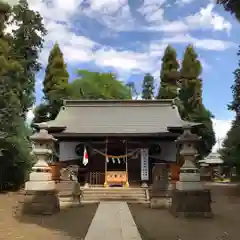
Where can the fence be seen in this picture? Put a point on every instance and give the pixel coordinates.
(96, 178)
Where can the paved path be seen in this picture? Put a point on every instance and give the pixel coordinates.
(113, 220)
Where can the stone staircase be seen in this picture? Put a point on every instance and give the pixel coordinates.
(97, 194)
(130, 195)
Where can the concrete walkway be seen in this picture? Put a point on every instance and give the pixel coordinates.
(113, 220)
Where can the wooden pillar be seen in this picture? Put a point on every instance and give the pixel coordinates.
(105, 181)
(126, 152)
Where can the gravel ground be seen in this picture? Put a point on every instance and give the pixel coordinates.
(160, 225)
(69, 224)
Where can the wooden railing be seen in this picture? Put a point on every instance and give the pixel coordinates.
(96, 178)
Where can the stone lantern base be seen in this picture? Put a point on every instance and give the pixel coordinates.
(39, 202)
(191, 203)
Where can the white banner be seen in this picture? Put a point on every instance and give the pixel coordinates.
(144, 164)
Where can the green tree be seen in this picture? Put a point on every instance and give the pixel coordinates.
(16, 152)
(95, 85)
(41, 113)
(169, 75)
(148, 87)
(133, 89)
(230, 151)
(55, 82)
(232, 6)
(27, 43)
(191, 104)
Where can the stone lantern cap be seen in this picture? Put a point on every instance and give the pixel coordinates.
(187, 136)
(43, 134)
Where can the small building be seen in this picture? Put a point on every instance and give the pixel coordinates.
(210, 165)
(212, 159)
(122, 138)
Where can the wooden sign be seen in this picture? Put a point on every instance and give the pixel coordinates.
(144, 164)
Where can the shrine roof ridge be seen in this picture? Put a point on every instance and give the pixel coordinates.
(118, 102)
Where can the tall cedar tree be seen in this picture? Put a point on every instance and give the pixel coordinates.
(232, 6)
(191, 104)
(148, 87)
(56, 81)
(26, 45)
(230, 151)
(169, 75)
(15, 145)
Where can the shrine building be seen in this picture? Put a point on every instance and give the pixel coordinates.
(122, 138)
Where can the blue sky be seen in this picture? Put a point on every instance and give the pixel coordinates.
(128, 37)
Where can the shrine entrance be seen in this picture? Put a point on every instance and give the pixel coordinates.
(116, 164)
(112, 162)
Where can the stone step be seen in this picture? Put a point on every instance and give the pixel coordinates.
(113, 189)
(128, 201)
(113, 197)
(113, 193)
(137, 195)
(97, 194)
(69, 201)
(125, 198)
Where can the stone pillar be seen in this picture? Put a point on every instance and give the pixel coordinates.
(190, 198)
(160, 189)
(40, 196)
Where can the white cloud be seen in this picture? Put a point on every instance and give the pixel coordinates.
(170, 27)
(55, 10)
(114, 14)
(221, 127)
(106, 6)
(205, 19)
(184, 2)
(75, 47)
(120, 59)
(152, 10)
(69, 6)
(207, 44)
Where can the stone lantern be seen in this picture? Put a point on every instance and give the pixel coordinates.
(190, 198)
(189, 177)
(40, 191)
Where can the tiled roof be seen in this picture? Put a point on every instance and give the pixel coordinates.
(117, 117)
